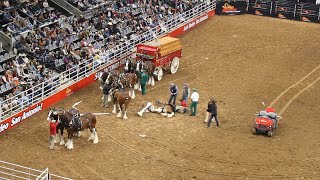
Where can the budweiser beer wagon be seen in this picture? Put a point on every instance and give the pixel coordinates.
(164, 53)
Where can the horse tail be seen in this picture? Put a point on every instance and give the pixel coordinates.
(92, 122)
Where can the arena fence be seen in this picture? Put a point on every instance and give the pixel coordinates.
(110, 59)
(10, 171)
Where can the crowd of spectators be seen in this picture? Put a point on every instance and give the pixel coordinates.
(20, 15)
(68, 41)
(84, 5)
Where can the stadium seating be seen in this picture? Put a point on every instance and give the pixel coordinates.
(49, 38)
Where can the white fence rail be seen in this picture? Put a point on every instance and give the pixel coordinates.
(10, 171)
(41, 91)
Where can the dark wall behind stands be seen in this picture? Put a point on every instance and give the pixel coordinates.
(301, 10)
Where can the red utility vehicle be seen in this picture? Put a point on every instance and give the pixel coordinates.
(164, 53)
(265, 122)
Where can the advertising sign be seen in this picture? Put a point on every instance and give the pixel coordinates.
(231, 7)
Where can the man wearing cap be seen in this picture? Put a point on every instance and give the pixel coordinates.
(144, 77)
(173, 93)
(185, 92)
(53, 131)
(194, 98)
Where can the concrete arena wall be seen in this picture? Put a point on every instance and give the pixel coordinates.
(16, 119)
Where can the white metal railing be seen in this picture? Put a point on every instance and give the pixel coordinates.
(42, 91)
(44, 175)
(13, 171)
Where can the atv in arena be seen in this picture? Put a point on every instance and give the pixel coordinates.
(265, 122)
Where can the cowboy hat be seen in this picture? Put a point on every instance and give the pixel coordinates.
(194, 89)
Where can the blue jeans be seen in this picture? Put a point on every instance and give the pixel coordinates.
(174, 97)
(215, 118)
(185, 98)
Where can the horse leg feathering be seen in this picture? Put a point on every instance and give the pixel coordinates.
(62, 141)
(170, 115)
(125, 115)
(68, 142)
(149, 80)
(152, 81)
(114, 108)
(120, 111)
(133, 96)
(91, 138)
(70, 146)
(95, 136)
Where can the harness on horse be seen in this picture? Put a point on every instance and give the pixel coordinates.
(171, 105)
(75, 121)
(113, 92)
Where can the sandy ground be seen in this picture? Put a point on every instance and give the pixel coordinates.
(241, 61)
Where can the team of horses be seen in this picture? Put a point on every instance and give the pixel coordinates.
(73, 122)
(122, 86)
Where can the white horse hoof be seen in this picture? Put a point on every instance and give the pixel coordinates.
(125, 118)
(119, 116)
(113, 112)
(140, 113)
(69, 147)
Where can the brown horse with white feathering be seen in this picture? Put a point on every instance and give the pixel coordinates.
(121, 99)
(74, 122)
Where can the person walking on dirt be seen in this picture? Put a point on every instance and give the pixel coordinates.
(194, 98)
(173, 93)
(143, 82)
(185, 92)
(212, 108)
(208, 113)
(53, 131)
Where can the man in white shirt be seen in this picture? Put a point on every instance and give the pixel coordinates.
(194, 98)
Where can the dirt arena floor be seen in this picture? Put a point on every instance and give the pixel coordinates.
(241, 61)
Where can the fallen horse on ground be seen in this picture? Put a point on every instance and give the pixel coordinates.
(167, 110)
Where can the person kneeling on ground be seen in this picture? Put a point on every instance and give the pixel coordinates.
(182, 107)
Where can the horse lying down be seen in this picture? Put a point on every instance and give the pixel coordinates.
(167, 110)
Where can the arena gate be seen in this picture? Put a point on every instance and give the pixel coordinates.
(9, 171)
(68, 82)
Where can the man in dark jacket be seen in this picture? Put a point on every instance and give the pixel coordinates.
(212, 109)
(173, 93)
(106, 89)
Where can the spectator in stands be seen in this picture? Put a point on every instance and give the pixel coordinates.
(45, 4)
(6, 4)
(114, 23)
